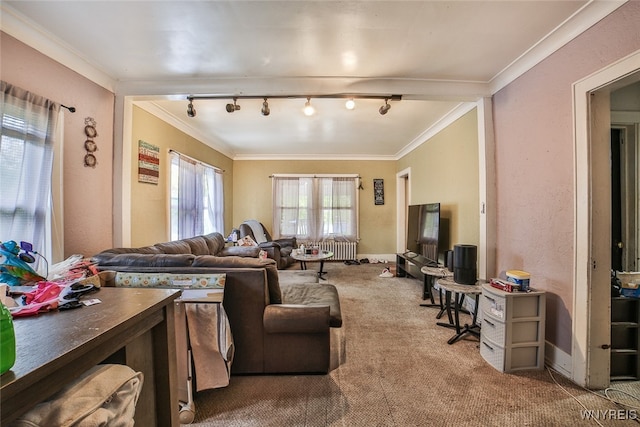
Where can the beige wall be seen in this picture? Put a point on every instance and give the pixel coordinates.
(252, 190)
(445, 169)
(87, 191)
(150, 202)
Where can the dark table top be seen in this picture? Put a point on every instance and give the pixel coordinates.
(49, 341)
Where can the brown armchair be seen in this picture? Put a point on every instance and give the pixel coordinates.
(278, 250)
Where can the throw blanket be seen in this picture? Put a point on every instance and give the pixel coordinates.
(258, 231)
(211, 344)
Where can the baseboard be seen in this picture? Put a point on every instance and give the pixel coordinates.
(557, 359)
(382, 257)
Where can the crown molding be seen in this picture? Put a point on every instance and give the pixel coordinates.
(18, 26)
(348, 157)
(445, 121)
(583, 19)
(154, 109)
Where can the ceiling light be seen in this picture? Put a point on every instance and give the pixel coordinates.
(350, 104)
(308, 108)
(233, 107)
(191, 112)
(265, 108)
(385, 108)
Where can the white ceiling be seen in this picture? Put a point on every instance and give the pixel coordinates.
(436, 54)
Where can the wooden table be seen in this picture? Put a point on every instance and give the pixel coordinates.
(319, 257)
(131, 326)
(459, 291)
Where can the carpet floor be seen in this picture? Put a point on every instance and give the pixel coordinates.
(393, 367)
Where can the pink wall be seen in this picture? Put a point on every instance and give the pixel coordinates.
(534, 159)
(87, 191)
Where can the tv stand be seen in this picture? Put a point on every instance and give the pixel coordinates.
(408, 265)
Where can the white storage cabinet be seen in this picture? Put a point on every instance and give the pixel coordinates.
(512, 333)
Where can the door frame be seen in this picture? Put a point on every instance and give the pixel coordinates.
(592, 319)
(403, 192)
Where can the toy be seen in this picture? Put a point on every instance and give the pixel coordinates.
(15, 271)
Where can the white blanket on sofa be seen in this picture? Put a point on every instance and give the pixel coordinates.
(258, 231)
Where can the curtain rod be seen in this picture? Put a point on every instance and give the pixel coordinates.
(322, 175)
(195, 160)
(71, 109)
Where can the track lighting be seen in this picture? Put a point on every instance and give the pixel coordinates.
(308, 108)
(191, 112)
(233, 107)
(385, 108)
(265, 108)
(350, 104)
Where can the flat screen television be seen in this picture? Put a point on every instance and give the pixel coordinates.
(427, 231)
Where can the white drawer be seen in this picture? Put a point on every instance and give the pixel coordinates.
(493, 330)
(493, 305)
(492, 353)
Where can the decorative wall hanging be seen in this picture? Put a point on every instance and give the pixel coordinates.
(89, 144)
(378, 191)
(148, 162)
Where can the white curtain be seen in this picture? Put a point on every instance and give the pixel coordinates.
(315, 208)
(293, 208)
(339, 210)
(197, 198)
(27, 134)
(213, 200)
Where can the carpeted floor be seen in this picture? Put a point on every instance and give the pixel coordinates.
(394, 368)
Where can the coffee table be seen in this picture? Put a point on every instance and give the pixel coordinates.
(319, 257)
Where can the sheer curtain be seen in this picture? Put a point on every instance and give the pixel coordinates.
(197, 198)
(213, 200)
(315, 208)
(27, 136)
(339, 210)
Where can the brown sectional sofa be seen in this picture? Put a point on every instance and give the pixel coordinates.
(276, 328)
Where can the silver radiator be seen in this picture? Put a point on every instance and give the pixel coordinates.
(342, 251)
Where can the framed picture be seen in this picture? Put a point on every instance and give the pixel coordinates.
(148, 162)
(378, 191)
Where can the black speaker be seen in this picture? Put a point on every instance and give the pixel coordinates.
(464, 264)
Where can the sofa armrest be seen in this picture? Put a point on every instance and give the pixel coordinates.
(271, 244)
(295, 319)
(243, 251)
(287, 242)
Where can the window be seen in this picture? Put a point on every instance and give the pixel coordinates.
(197, 198)
(314, 208)
(27, 135)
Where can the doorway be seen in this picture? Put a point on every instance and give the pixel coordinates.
(592, 264)
(403, 199)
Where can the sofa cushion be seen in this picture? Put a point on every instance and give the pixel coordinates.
(143, 260)
(197, 245)
(143, 250)
(275, 295)
(314, 294)
(215, 242)
(174, 247)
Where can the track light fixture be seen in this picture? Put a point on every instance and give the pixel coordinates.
(233, 107)
(350, 104)
(265, 108)
(191, 112)
(308, 108)
(385, 108)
